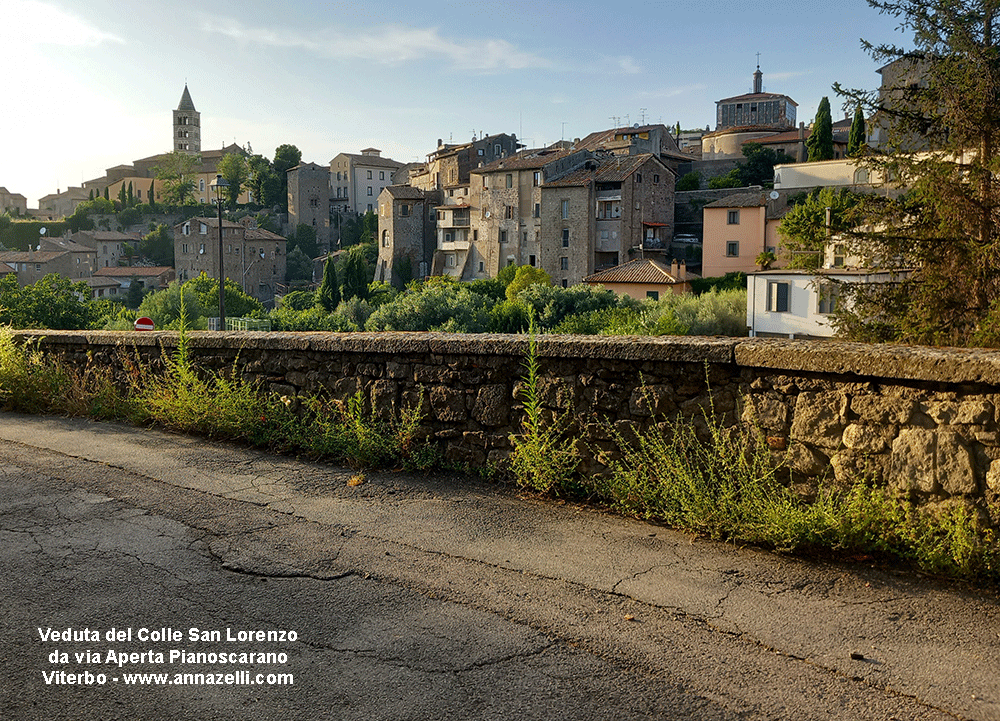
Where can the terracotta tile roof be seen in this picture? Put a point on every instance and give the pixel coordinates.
(210, 222)
(645, 271)
(136, 271)
(261, 234)
(104, 282)
(609, 170)
(524, 160)
(6, 269)
(20, 256)
(752, 199)
(376, 161)
(404, 192)
(70, 245)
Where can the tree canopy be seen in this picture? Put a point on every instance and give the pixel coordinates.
(176, 171)
(944, 219)
(234, 170)
(820, 141)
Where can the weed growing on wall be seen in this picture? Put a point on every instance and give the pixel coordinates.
(545, 455)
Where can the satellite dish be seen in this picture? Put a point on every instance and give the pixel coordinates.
(774, 195)
(41, 231)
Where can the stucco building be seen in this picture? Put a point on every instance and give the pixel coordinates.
(738, 228)
(356, 180)
(644, 278)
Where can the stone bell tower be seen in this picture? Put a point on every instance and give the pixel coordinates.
(187, 126)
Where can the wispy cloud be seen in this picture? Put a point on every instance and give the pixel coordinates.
(671, 92)
(622, 63)
(390, 45)
(31, 22)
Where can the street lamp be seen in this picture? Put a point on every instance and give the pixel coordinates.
(219, 185)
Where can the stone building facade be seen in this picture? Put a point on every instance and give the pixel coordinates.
(252, 257)
(309, 200)
(406, 222)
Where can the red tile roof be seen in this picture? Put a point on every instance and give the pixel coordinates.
(645, 271)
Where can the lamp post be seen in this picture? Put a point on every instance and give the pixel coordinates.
(219, 186)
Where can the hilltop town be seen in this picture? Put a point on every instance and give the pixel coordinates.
(644, 210)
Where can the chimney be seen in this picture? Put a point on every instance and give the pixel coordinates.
(675, 271)
(683, 270)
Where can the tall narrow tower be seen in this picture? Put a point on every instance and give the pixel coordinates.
(187, 126)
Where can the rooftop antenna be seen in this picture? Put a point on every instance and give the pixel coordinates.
(563, 134)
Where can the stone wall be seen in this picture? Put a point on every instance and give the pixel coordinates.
(925, 421)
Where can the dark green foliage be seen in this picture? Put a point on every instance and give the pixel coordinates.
(304, 238)
(135, 294)
(757, 168)
(234, 170)
(329, 291)
(729, 281)
(238, 303)
(18, 235)
(158, 246)
(129, 216)
(402, 271)
(151, 198)
(285, 157)
(53, 302)
(298, 266)
(804, 230)
(689, 181)
(263, 183)
(856, 139)
(106, 193)
(355, 273)
(820, 142)
(299, 300)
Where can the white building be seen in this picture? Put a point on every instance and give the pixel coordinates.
(800, 303)
(357, 180)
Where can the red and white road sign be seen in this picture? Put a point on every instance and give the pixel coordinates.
(143, 323)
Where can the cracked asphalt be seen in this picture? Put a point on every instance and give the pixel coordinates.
(437, 597)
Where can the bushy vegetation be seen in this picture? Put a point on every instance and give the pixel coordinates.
(693, 472)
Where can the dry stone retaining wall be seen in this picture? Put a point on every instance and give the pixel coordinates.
(925, 421)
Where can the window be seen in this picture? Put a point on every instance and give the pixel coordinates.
(450, 260)
(638, 177)
(496, 149)
(369, 207)
(653, 294)
(475, 235)
(565, 209)
(202, 229)
(538, 210)
(369, 176)
(565, 237)
(609, 209)
(828, 296)
(536, 179)
(565, 283)
(229, 248)
(381, 175)
(656, 178)
(604, 235)
(733, 217)
(369, 195)
(564, 263)
(404, 210)
(733, 249)
(184, 247)
(480, 151)
(531, 260)
(777, 296)
(201, 185)
(509, 180)
(839, 253)
(503, 236)
(186, 230)
(510, 212)
(481, 266)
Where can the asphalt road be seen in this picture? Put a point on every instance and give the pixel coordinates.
(410, 597)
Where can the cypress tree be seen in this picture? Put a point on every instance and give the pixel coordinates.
(820, 142)
(131, 195)
(91, 196)
(151, 197)
(329, 290)
(856, 140)
(106, 193)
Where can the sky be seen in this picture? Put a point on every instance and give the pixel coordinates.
(90, 84)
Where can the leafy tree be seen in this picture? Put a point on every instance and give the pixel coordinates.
(945, 223)
(298, 266)
(299, 300)
(234, 170)
(444, 306)
(856, 138)
(355, 274)
(820, 141)
(176, 173)
(731, 179)
(53, 302)
(238, 303)
(135, 294)
(285, 158)
(263, 183)
(549, 305)
(524, 276)
(129, 216)
(163, 307)
(804, 228)
(158, 246)
(329, 291)
(758, 168)
(305, 238)
(689, 181)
